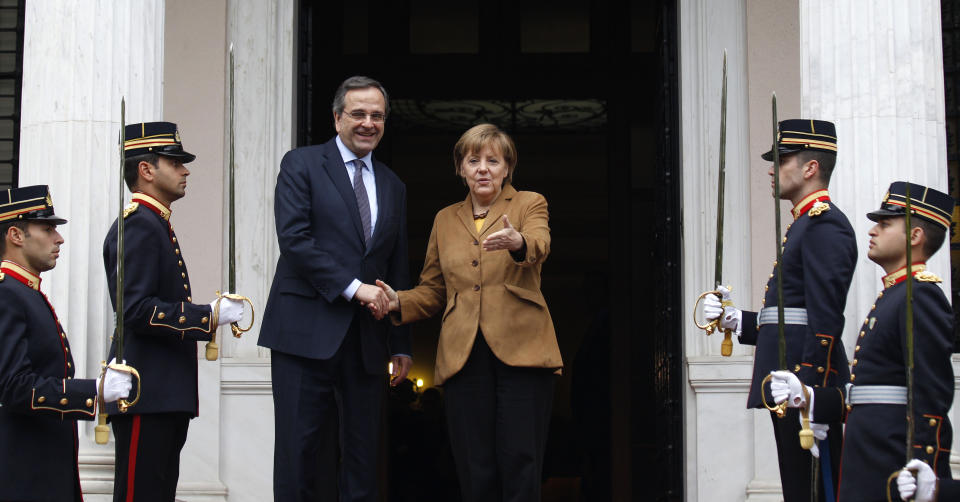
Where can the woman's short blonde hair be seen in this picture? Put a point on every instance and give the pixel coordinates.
(483, 135)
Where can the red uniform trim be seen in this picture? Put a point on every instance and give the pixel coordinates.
(132, 461)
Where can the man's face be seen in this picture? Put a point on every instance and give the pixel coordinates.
(169, 179)
(41, 246)
(791, 177)
(888, 242)
(361, 135)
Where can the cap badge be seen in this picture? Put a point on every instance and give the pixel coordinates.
(176, 136)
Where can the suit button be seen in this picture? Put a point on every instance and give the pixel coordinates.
(161, 315)
(930, 450)
(475, 263)
(182, 319)
(933, 422)
(63, 335)
(824, 343)
(766, 288)
(820, 369)
(476, 242)
(880, 295)
(89, 403)
(63, 402)
(41, 399)
(476, 287)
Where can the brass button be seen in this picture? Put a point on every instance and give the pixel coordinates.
(849, 407)
(475, 263)
(89, 403)
(933, 422)
(784, 239)
(183, 275)
(186, 287)
(766, 288)
(820, 369)
(63, 335)
(880, 295)
(182, 319)
(63, 402)
(41, 399)
(853, 377)
(174, 239)
(855, 361)
(177, 250)
(180, 262)
(476, 287)
(771, 276)
(66, 350)
(930, 450)
(874, 306)
(857, 349)
(69, 365)
(190, 299)
(863, 333)
(774, 263)
(796, 369)
(824, 343)
(161, 315)
(204, 320)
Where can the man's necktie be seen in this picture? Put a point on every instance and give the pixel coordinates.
(363, 203)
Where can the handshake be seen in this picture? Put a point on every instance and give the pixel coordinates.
(380, 299)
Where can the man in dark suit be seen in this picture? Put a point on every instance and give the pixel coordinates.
(341, 225)
(162, 325)
(819, 256)
(40, 400)
(874, 403)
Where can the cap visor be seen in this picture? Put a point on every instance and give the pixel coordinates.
(783, 151)
(54, 219)
(880, 214)
(184, 157)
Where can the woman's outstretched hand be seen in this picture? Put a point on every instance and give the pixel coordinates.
(391, 295)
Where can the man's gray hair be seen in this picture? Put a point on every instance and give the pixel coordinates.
(357, 82)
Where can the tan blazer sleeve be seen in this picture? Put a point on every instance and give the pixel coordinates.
(429, 297)
(535, 230)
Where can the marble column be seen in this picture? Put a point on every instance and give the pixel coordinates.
(79, 59)
(718, 427)
(263, 37)
(875, 68)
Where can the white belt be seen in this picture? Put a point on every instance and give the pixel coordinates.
(876, 394)
(791, 315)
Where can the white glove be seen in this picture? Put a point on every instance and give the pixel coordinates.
(713, 308)
(924, 484)
(230, 310)
(785, 386)
(116, 384)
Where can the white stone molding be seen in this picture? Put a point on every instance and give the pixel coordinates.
(876, 70)
(79, 59)
(262, 34)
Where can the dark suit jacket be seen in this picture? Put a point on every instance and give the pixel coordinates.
(819, 255)
(40, 401)
(322, 250)
(161, 325)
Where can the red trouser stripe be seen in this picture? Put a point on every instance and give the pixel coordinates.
(132, 462)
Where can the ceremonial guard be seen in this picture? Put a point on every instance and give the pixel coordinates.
(161, 322)
(40, 400)
(819, 256)
(874, 402)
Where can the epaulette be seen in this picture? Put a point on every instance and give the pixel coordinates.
(127, 211)
(927, 276)
(818, 208)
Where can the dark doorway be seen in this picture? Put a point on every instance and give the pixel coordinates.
(588, 90)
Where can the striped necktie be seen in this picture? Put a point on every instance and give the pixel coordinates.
(363, 203)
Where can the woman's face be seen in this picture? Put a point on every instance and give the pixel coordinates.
(484, 172)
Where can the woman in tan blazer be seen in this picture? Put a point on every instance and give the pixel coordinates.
(497, 351)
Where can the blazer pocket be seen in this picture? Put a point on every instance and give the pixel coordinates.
(533, 297)
(296, 286)
(450, 306)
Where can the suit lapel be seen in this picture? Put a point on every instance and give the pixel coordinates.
(499, 207)
(338, 173)
(465, 214)
(384, 200)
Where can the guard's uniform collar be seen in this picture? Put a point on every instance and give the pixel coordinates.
(152, 204)
(808, 202)
(898, 276)
(21, 274)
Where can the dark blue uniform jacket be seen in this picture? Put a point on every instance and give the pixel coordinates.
(161, 325)
(40, 401)
(819, 256)
(875, 434)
